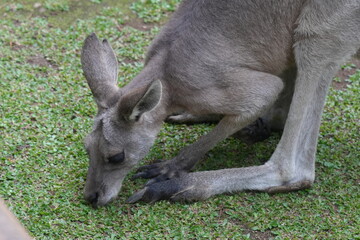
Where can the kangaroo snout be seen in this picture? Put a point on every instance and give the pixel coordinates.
(100, 195)
(92, 198)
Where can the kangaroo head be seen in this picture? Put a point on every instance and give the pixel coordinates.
(123, 131)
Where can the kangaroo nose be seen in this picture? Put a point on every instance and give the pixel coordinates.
(93, 199)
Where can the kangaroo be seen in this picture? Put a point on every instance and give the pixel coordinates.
(237, 60)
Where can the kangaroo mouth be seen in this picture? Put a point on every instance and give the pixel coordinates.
(103, 196)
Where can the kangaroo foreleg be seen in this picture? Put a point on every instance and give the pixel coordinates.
(251, 103)
(190, 155)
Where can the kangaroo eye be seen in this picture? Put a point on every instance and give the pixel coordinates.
(118, 158)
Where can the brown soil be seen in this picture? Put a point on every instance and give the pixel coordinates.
(41, 61)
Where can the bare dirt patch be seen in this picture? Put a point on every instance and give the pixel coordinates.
(41, 61)
(16, 46)
(139, 24)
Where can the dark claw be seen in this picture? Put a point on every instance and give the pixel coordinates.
(158, 173)
(147, 174)
(160, 178)
(138, 175)
(166, 176)
(146, 167)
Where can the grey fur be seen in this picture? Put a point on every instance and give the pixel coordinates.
(234, 59)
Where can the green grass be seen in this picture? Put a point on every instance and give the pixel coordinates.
(47, 109)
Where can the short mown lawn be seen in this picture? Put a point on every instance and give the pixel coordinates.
(46, 110)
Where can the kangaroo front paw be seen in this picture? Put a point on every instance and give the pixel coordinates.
(158, 172)
(255, 132)
(176, 189)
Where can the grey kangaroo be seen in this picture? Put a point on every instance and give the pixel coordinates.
(237, 60)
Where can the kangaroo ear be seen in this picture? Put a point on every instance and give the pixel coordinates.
(132, 105)
(100, 69)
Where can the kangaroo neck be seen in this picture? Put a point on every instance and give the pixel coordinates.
(152, 71)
